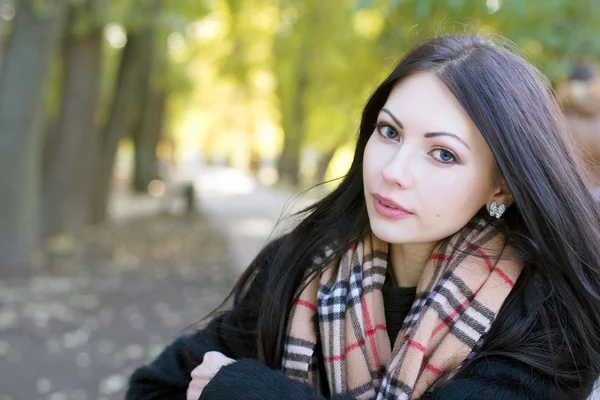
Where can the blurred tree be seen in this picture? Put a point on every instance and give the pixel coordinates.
(160, 80)
(2, 28)
(144, 21)
(326, 65)
(245, 65)
(149, 121)
(136, 58)
(343, 72)
(70, 148)
(238, 66)
(293, 46)
(27, 60)
(7, 14)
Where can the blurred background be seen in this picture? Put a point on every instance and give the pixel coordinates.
(148, 148)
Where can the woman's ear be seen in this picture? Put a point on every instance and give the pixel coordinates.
(501, 195)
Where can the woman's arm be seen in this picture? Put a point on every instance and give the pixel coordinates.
(249, 380)
(495, 378)
(168, 376)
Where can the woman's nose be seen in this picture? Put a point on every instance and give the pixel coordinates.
(397, 170)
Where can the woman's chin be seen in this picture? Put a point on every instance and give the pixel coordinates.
(390, 234)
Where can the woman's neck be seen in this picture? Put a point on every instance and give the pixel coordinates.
(407, 262)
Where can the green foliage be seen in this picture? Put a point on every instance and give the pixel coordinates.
(553, 34)
(238, 65)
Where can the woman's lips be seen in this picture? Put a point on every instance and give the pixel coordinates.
(389, 208)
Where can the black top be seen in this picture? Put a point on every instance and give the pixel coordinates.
(234, 334)
(397, 301)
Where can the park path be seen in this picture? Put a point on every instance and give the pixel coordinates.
(78, 330)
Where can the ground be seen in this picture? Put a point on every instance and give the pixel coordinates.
(78, 330)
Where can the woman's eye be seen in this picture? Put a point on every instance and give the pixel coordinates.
(387, 131)
(444, 156)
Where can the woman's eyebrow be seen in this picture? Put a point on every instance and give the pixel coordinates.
(388, 112)
(434, 134)
(428, 134)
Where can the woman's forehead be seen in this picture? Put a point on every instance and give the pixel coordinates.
(423, 104)
(424, 100)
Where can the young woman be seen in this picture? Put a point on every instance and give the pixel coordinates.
(458, 259)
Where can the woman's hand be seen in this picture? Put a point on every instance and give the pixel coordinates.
(203, 373)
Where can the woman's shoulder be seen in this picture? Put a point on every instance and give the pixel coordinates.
(498, 378)
(525, 348)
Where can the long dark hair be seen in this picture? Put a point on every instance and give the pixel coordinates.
(553, 224)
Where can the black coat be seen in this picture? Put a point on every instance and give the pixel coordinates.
(494, 378)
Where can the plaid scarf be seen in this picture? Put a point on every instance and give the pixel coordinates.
(463, 286)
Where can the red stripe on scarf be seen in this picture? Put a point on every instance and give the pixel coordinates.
(307, 305)
(356, 345)
(334, 358)
(369, 327)
(489, 265)
(378, 327)
(433, 369)
(414, 344)
(361, 342)
(486, 259)
(505, 277)
(438, 256)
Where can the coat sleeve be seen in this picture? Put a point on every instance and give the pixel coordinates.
(168, 376)
(498, 379)
(248, 380)
(231, 333)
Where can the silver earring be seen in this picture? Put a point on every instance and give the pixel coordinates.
(497, 211)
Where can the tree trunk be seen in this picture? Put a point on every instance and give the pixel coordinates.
(147, 139)
(70, 151)
(149, 123)
(22, 82)
(289, 161)
(136, 57)
(2, 26)
(293, 98)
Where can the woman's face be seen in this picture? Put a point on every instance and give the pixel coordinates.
(427, 169)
